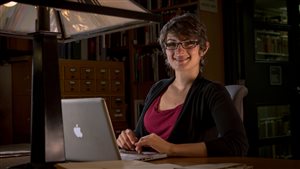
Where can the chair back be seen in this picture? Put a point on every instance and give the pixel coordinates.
(237, 93)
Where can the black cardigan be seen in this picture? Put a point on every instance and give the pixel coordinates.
(208, 115)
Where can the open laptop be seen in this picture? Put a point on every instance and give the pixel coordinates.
(89, 134)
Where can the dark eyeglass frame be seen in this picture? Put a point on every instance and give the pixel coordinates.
(187, 44)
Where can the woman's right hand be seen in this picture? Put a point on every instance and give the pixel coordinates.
(127, 139)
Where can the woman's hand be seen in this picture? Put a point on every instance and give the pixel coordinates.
(155, 142)
(127, 139)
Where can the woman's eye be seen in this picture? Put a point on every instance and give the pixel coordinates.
(171, 44)
(188, 43)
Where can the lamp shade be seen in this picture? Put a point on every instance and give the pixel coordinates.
(75, 19)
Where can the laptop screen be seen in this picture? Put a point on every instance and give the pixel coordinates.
(88, 131)
(89, 134)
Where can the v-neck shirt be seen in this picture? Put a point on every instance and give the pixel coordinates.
(161, 122)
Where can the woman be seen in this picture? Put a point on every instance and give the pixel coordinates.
(187, 115)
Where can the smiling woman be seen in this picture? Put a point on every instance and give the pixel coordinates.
(189, 38)
(187, 115)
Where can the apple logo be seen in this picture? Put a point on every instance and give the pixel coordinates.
(77, 131)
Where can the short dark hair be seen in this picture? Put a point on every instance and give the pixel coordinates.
(188, 25)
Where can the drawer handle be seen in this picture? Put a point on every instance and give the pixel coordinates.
(117, 71)
(88, 82)
(103, 83)
(118, 115)
(72, 82)
(117, 83)
(88, 70)
(72, 69)
(118, 100)
(102, 70)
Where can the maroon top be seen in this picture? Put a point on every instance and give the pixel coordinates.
(161, 122)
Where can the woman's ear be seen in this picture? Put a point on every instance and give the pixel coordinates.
(207, 44)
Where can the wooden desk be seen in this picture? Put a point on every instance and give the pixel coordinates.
(257, 163)
(8, 162)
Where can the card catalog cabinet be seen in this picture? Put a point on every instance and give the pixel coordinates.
(105, 79)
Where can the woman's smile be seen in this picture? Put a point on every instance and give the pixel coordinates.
(181, 59)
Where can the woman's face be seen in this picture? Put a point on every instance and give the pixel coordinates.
(183, 54)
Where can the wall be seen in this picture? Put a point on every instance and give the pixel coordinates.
(5, 104)
(214, 68)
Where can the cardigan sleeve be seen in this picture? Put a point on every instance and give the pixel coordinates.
(232, 139)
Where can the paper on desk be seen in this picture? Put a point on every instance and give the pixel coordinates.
(160, 166)
(117, 164)
(218, 166)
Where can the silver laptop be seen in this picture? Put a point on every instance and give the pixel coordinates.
(89, 134)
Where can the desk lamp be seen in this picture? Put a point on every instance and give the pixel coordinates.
(46, 22)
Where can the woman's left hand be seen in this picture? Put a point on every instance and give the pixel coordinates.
(154, 141)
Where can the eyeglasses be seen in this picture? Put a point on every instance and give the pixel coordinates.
(188, 44)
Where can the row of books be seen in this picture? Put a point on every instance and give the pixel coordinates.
(97, 48)
(147, 65)
(271, 15)
(273, 127)
(147, 35)
(273, 121)
(115, 40)
(272, 42)
(279, 151)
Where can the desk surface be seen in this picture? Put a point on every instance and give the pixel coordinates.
(13, 161)
(257, 163)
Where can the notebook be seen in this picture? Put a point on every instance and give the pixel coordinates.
(89, 134)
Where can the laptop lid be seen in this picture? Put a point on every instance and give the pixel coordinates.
(89, 134)
(88, 130)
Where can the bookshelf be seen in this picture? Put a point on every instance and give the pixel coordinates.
(271, 39)
(271, 35)
(15, 74)
(264, 45)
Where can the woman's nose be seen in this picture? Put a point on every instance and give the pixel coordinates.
(179, 48)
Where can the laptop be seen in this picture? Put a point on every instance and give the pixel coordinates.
(89, 134)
